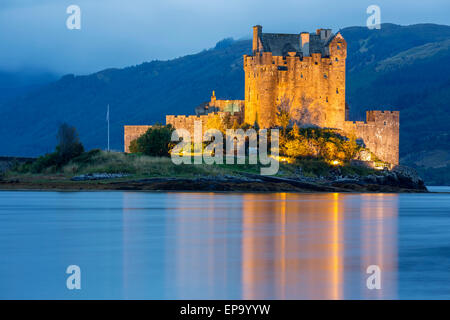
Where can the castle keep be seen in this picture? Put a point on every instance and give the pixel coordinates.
(305, 72)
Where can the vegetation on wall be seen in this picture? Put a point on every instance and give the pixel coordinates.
(318, 143)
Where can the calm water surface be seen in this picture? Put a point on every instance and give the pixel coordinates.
(136, 245)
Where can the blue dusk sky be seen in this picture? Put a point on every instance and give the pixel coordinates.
(118, 33)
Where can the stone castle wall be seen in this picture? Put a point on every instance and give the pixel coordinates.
(310, 80)
(131, 133)
(314, 86)
(187, 122)
(380, 133)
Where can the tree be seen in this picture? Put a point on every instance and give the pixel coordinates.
(69, 145)
(156, 141)
(295, 133)
(283, 114)
(216, 122)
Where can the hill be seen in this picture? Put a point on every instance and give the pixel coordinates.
(398, 67)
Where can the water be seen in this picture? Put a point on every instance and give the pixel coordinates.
(439, 189)
(136, 245)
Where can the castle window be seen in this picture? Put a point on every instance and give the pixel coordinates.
(337, 90)
(301, 75)
(326, 99)
(325, 76)
(336, 59)
(338, 47)
(385, 123)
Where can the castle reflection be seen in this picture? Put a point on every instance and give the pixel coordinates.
(319, 248)
(272, 246)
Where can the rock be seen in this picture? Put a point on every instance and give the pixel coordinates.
(98, 176)
(409, 178)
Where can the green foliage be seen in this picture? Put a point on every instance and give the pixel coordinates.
(419, 87)
(134, 146)
(68, 147)
(155, 142)
(217, 123)
(96, 161)
(283, 114)
(319, 143)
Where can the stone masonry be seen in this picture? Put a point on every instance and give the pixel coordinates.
(306, 73)
(131, 133)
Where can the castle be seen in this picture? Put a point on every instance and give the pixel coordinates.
(306, 72)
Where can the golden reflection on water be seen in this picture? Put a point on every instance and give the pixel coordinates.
(377, 248)
(310, 251)
(306, 263)
(280, 246)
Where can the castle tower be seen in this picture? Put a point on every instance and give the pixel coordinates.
(306, 71)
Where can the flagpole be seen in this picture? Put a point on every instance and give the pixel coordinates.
(108, 127)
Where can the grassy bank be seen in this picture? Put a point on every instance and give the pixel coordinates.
(138, 165)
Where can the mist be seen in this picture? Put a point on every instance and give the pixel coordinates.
(114, 33)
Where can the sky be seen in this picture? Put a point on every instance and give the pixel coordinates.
(119, 33)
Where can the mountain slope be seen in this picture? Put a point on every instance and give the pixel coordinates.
(14, 84)
(414, 78)
(137, 95)
(398, 67)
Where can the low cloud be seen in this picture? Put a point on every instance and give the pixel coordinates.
(120, 33)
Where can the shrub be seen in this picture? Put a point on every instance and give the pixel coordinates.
(68, 147)
(321, 143)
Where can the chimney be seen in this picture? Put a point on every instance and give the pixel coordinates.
(304, 43)
(324, 34)
(257, 31)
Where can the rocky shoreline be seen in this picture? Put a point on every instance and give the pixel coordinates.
(400, 179)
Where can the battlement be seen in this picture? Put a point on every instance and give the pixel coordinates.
(380, 133)
(188, 122)
(267, 59)
(308, 70)
(379, 116)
